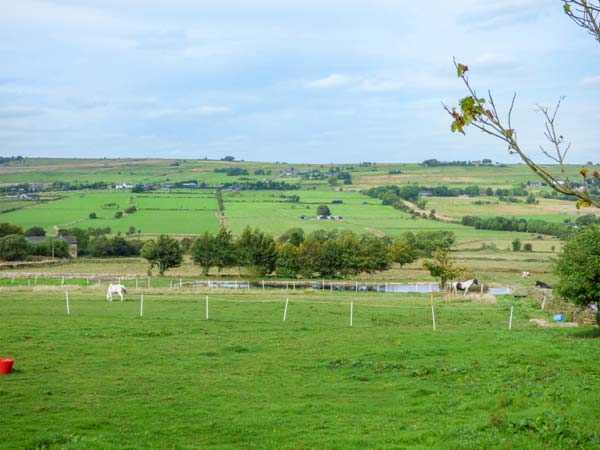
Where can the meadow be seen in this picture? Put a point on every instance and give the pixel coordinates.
(103, 377)
(106, 378)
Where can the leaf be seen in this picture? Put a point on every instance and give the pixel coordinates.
(596, 175)
(582, 204)
(509, 133)
(584, 172)
(461, 69)
(567, 8)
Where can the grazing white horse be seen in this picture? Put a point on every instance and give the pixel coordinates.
(115, 289)
(464, 285)
(525, 274)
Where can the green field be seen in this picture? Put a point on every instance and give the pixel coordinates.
(194, 211)
(175, 212)
(105, 378)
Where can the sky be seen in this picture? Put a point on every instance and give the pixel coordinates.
(296, 81)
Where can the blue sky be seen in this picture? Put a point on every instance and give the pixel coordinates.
(295, 81)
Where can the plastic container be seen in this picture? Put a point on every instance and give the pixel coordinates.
(6, 366)
(558, 318)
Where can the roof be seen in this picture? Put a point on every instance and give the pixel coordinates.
(67, 239)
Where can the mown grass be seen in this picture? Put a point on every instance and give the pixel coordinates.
(105, 378)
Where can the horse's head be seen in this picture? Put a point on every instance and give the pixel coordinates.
(475, 281)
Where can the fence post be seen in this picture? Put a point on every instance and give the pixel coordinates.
(67, 297)
(433, 316)
(511, 317)
(142, 306)
(351, 312)
(285, 309)
(207, 307)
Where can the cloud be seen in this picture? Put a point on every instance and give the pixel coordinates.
(500, 13)
(210, 110)
(491, 61)
(204, 110)
(12, 112)
(84, 103)
(590, 81)
(380, 86)
(331, 82)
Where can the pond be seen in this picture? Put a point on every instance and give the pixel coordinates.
(392, 288)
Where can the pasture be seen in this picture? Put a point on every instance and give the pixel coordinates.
(189, 212)
(106, 378)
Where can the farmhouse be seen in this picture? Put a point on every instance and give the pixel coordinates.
(124, 186)
(71, 240)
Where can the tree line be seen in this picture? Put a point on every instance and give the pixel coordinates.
(560, 230)
(391, 194)
(330, 254)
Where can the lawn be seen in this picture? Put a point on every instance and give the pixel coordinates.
(105, 378)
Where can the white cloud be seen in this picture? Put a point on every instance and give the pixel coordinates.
(210, 110)
(590, 81)
(10, 112)
(205, 110)
(380, 86)
(331, 82)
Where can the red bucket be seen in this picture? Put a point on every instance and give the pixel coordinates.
(6, 366)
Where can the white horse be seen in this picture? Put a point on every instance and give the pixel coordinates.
(464, 285)
(115, 289)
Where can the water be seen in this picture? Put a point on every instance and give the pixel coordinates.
(392, 288)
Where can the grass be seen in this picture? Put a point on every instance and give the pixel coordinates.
(104, 378)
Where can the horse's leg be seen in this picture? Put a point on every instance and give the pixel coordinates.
(121, 294)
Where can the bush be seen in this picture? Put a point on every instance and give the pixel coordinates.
(13, 247)
(528, 247)
(118, 214)
(93, 215)
(35, 231)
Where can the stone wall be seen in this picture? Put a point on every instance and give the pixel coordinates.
(546, 300)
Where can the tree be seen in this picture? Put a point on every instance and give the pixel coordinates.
(9, 228)
(516, 245)
(442, 267)
(528, 247)
(225, 252)
(93, 215)
(403, 251)
(35, 231)
(294, 236)
(309, 256)
(118, 214)
(203, 252)
(287, 260)
(13, 247)
(323, 210)
(474, 110)
(578, 267)
(164, 253)
(257, 250)
(374, 254)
